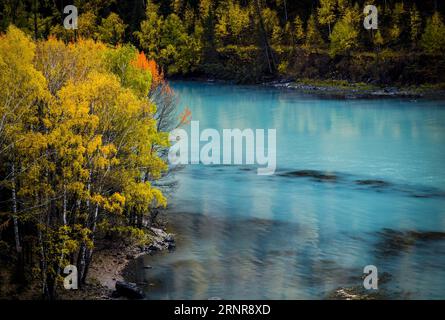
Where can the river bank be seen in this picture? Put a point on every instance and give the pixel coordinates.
(349, 90)
(346, 172)
(206, 266)
(315, 243)
(110, 262)
(341, 89)
(107, 268)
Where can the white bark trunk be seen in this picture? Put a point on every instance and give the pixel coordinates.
(14, 212)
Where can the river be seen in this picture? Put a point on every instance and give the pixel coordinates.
(358, 182)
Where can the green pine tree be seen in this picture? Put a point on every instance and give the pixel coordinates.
(433, 38)
(313, 36)
(345, 34)
(415, 25)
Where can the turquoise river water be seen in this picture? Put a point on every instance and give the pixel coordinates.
(358, 182)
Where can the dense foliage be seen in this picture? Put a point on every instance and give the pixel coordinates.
(79, 150)
(250, 40)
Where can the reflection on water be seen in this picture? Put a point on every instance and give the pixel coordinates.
(355, 181)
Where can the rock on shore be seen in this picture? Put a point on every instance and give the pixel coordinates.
(128, 290)
(109, 263)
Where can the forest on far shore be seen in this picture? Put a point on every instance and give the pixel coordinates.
(251, 41)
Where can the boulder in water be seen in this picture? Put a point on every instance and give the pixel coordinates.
(128, 290)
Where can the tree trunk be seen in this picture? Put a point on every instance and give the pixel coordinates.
(36, 32)
(14, 212)
(285, 10)
(89, 253)
(81, 263)
(268, 51)
(64, 206)
(43, 266)
(20, 263)
(64, 222)
(82, 256)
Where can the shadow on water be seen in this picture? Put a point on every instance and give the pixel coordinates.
(339, 178)
(318, 176)
(393, 242)
(348, 171)
(238, 258)
(410, 260)
(265, 259)
(348, 180)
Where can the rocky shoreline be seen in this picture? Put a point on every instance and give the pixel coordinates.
(106, 276)
(357, 91)
(340, 89)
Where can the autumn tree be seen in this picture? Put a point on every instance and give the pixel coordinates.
(149, 35)
(112, 29)
(80, 148)
(326, 13)
(299, 33)
(313, 36)
(397, 23)
(87, 24)
(378, 40)
(272, 27)
(206, 21)
(232, 23)
(433, 38)
(22, 87)
(345, 34)
(415, 25)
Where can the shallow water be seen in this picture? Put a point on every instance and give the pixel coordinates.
(351, 175)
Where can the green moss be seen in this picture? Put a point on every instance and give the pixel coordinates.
(338, 84)
(432, 87)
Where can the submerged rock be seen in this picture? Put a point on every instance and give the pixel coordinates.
(428, 235)
(154, 247)
(129, 290)
(428, 194)
(393, 242)
(161, 240)
(317, 175)
(169, 238)
(356, 293)
(373, 183)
